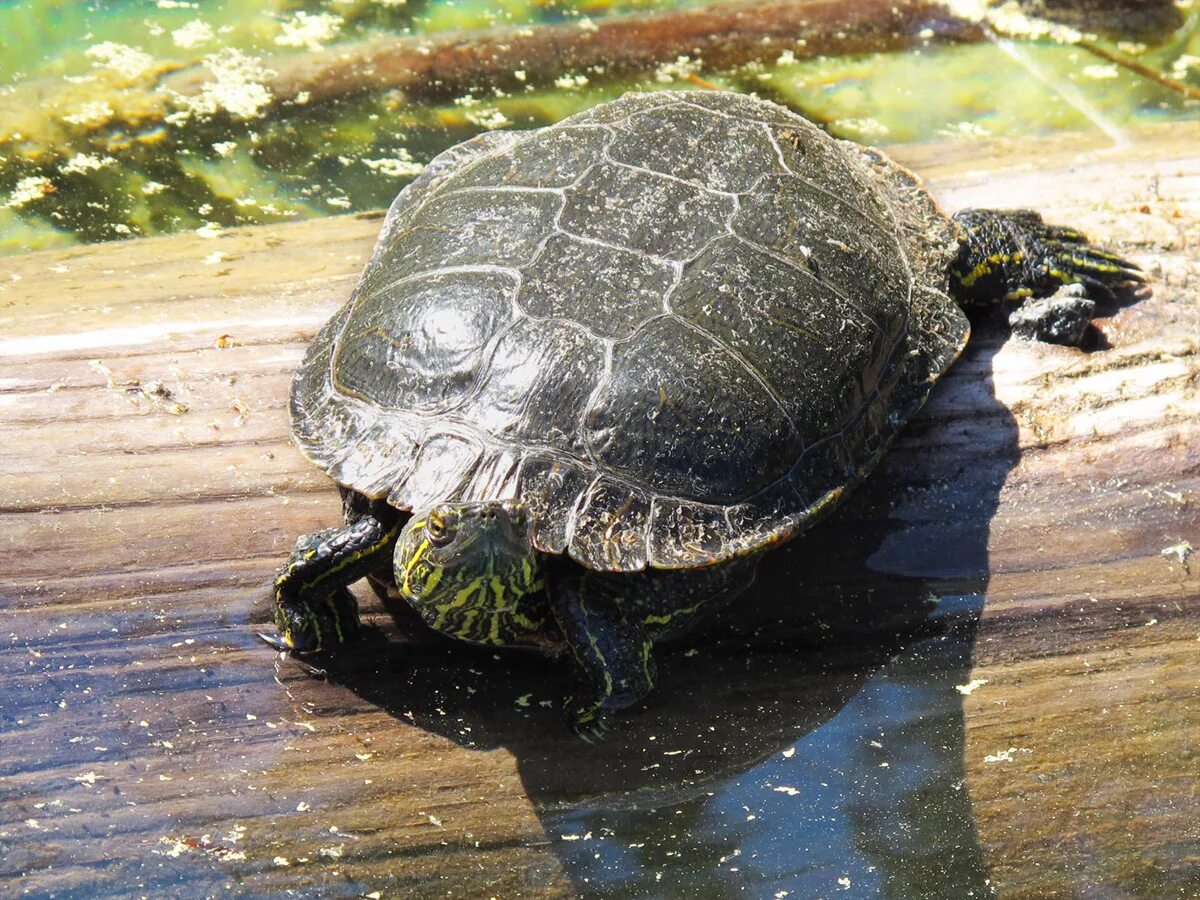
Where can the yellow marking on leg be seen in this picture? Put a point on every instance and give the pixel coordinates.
(352, 558)
(985, 267)
(664, 620)
(307, 616)
(337, 619)
(1092, 266)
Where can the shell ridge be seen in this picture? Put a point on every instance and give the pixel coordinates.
(688, 98)
(654, 173)
(602, 385)
(502, 189)
(418, 192)
(670, 101)
(481, 268)
(840, 201)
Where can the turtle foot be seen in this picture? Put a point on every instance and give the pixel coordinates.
(1061, 318)
(1012, 254)
(315, 627)
(587, 720)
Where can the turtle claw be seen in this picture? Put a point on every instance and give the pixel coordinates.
(277, 642)
(1099, 271)
(587, 720)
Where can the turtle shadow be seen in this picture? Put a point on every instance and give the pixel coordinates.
(812, 731)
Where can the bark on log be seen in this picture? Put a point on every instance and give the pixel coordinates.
(722, 36)
(149, 490)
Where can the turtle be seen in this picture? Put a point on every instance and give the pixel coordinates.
(592, 372)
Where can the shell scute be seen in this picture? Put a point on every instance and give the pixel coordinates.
(380, 456)
(643, 211)
(693, 422)
(623, 287)
(537, 385)
(610, 528)
(682, 140)
(816, 349)
(472, 227)
(549, 158)
(857, 257)
(552, 487)
(683, 533)
(439, 472)
(420, 344)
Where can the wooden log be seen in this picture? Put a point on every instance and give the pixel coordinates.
(1047, 496)
(718, 36)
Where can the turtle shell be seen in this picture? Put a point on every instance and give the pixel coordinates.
(677, 326)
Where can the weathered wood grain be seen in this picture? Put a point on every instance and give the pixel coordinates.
(148, 489)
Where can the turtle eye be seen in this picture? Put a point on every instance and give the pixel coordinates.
(439, 528)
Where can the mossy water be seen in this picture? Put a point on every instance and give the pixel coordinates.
(98, 141)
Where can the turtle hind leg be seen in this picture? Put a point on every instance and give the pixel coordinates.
(314, 609)
(610, 647)
(1014, 255)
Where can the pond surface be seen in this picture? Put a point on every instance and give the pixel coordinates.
(133, 118)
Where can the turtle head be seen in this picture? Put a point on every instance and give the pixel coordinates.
(466, 567)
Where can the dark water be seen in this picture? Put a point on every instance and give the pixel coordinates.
(870, 803)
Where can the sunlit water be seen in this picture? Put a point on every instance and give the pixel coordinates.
(97, 143)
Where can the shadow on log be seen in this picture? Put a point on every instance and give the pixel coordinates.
(842, 656)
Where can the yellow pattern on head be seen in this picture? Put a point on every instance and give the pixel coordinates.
(470, 571)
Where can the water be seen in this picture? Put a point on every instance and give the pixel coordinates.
(99, 139)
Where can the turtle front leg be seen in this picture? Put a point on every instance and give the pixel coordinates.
(1013, 255)
(314, 609)
(610, 646)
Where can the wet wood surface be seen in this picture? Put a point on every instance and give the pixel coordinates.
(148, 490)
